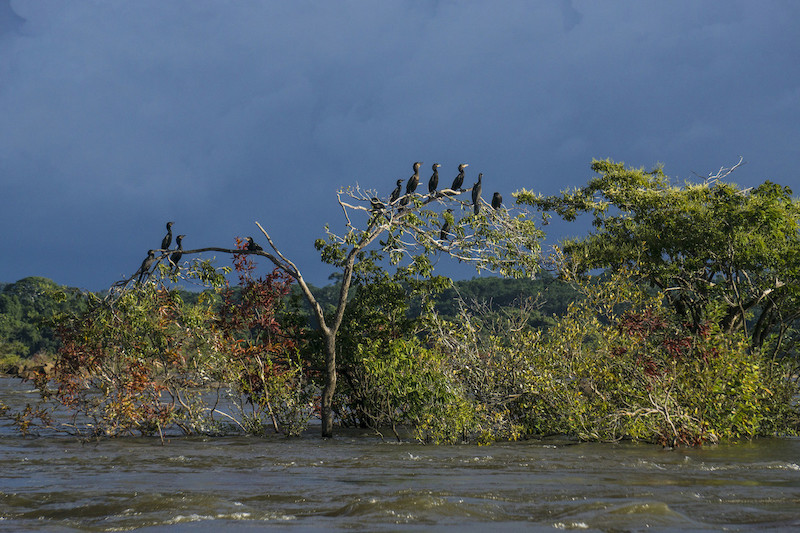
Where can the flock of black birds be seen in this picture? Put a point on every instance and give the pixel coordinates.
(146, 269)
(433, 190)
(411, 186)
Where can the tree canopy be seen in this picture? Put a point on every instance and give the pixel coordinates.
(720, 252)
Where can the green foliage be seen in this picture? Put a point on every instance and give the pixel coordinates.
(375, 320)
(719, 251)
(621, 365)
(549, 296)
(133, 364)
(406, 233)
(28, 309)
(411, 386)
(618, 365)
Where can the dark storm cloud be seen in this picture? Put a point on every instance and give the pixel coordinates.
(10, 22)
(118, 116)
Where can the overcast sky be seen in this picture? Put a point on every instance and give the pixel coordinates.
(116, 116)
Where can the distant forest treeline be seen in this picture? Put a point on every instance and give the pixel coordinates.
(29, 306)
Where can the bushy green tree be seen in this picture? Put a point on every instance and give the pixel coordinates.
(620, 364)
(719, 252)
(376, 322)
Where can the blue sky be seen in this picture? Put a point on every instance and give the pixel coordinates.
(116, 116)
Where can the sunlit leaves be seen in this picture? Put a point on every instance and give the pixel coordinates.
(711, 245)
(494, 240)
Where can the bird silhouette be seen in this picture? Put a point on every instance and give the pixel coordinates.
(167, 240)
(253, 246)
(178, 253)
(497, 200)
(144, 270)
(413, 181)
(459, 180)
(476, 194)
(396, 192)
(375, 204)
(433, 183)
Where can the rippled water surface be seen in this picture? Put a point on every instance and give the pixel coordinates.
(356, 482)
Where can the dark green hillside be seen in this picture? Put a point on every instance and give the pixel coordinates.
(27, 308)
(547, 293)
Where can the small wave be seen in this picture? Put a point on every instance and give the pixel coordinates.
(484, 459)
(786, 466)
(238, 516)
(753, 467)
(649, 464)
(571, 525)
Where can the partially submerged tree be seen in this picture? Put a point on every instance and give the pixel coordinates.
(153, 359)
(721, 253)
(404, 232)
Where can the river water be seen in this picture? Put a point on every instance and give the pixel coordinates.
(357, 482)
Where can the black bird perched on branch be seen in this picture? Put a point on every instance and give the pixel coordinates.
(413, 181)
(253, 246)
(167, 240)
(375, 204)
(396, 192)
(445, 227)
(178, 253)
(433, 183)
(497, 200)
(144, 270)
(459, 181)
(476, 194)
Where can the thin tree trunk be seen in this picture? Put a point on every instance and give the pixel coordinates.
(330, 385)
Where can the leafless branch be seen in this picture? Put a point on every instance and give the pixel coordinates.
(722, 173)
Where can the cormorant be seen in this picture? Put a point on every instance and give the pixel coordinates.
(459, 181)
(167, 240)
(144, 270)
(445, 227)
(178, 253)
(253, 246)
(396, 192)
(476, 194)
(497, 200)
(375, 204)
(433, 183)
(413, 181)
